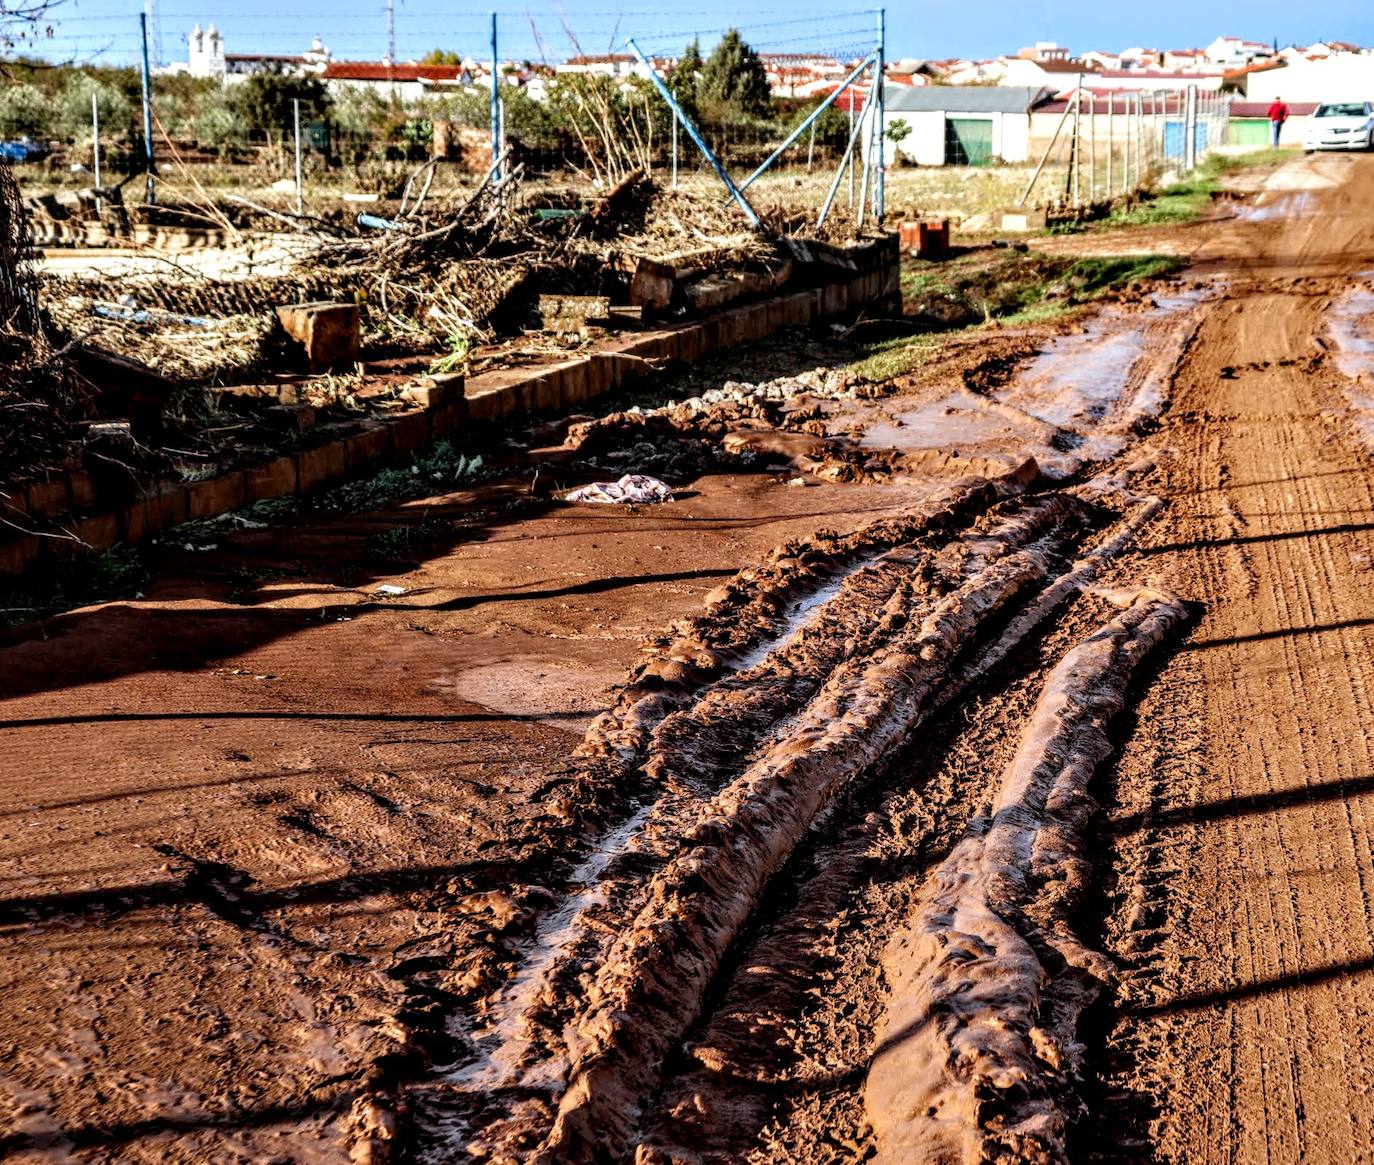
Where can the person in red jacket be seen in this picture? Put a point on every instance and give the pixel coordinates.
(1278, 114)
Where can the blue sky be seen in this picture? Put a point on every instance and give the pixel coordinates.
(106, 30)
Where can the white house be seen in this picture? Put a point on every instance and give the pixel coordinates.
(1344, 77)
(1232, 52)
(1140, 58)
(1097, 59)
(948, 125)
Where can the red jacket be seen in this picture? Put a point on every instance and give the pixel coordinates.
(1278, 112)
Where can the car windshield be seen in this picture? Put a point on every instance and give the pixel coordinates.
(1352, 109)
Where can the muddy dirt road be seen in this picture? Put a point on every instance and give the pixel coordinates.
(886, 796)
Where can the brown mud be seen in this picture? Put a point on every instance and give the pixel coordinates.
(661, 833)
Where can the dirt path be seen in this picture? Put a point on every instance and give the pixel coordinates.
(1249, 1004)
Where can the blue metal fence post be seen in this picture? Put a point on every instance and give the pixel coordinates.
(495, 104)
(149, 194)
(667, 94)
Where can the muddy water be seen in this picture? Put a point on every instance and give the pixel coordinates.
(1348, 323)
(1093, 386)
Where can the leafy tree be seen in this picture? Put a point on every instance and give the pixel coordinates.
(73, 112)
(685, 78)
(218, 123)
(25, 112)
(733, 81)
(265, 102)
(441, 57)
(898, 131)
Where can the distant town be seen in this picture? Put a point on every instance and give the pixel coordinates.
(1308, 72)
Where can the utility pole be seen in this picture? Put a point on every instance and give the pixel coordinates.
(149, 193)
(154, 31)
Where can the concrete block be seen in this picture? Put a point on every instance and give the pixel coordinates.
(19, 553)
(836, 299)
(169, 506)
(687, 341)
(548, 390)
(48, 498)
(448, 419)
(99, 532)
(433, 391)
(215, 495)
(755, 322)
(409, 432)
(320, 466)
(368, 444)
(487, 406)
(81, 490)
(275, 479)
(1019, 219)
(327, 333)
(137, 521)
(600, 376)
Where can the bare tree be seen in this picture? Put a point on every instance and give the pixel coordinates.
(24, 23)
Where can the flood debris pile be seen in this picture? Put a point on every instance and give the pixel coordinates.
(41, 397)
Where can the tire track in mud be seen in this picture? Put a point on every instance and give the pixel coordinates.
(745, 769)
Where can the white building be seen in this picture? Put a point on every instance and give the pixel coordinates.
(948, 125)
(1345, 77)
(206, 52)
(1232, 52)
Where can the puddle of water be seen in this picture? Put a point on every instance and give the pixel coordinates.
(502, 1042)
(1349, 324)
(1079, 379)
(800, 612)
(1299, 205)
(955, 421)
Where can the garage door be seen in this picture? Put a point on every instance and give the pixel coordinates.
(968, 141)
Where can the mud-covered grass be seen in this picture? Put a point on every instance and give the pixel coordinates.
(1001, 285)
(63, 584)
(1188, 200)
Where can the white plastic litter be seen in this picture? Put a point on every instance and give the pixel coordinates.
(632, 489)
(390, 589)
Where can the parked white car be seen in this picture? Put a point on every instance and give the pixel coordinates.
(1344, 125)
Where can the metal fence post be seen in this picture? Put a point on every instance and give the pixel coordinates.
(1077, 168)
(692, 132)
(495, 103)
(149, 191)
(879, 188)
(1189, 129)
(95, 147)
(1111, 141)
(674, 153)
(300, 185)
(1092, 150)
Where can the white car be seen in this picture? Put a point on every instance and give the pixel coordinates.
(1344, 125)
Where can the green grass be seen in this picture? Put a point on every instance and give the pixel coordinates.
(1188, 200)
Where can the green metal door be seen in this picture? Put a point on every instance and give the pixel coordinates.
(1248, 131)
(968, 141)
